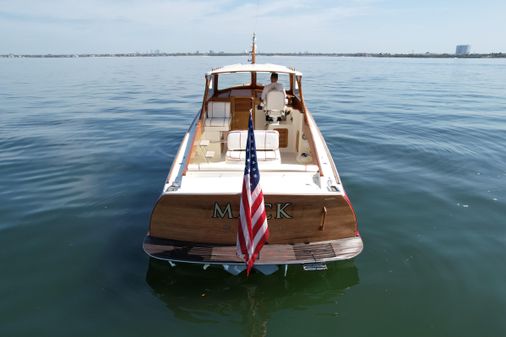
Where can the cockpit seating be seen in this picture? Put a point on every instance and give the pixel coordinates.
(218, 116)
(275, 106)
(266, 141)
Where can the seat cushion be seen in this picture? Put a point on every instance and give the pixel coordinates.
(275, 101)
(218, 116)
(264, 140)
(218, 109)
(218, 122)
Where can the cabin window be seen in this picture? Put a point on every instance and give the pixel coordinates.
(296, 90)
(210, 87)
(265, 78)
(230, 80)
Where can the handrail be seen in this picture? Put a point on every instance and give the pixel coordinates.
(183, 165)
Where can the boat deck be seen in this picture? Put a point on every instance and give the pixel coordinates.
(288, 176)
(289, 162)
(272, 183)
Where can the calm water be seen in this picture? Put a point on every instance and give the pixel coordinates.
(85, 145)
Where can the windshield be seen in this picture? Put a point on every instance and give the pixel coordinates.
(229, 80)
(265, 78)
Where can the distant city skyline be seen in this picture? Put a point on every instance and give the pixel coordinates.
(368, 26)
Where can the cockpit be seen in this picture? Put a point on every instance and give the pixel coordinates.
(280, 123)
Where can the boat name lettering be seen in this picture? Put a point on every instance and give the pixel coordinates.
(220, 212)
(280, 210)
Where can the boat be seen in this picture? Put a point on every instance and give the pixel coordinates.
(310, 217)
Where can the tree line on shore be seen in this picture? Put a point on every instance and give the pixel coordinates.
(159, 54)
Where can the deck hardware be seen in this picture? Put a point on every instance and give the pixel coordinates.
(172, 264)
(324, 214)
(331, 185)
(206, 266)
(174, 187)
(315, 266)
(286, 269)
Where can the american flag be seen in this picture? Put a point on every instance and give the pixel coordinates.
(253, 230)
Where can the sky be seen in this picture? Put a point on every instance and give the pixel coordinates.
(341, 26)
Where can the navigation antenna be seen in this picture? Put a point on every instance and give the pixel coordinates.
(253, 49)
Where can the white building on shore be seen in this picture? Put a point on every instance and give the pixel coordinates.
(463, 49)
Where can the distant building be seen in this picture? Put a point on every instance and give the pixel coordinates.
(463, 49)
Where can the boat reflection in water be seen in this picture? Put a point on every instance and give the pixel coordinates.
(196, 296)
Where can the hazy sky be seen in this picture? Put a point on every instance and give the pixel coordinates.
(69, 26)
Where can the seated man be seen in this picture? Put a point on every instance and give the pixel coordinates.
(274, 85)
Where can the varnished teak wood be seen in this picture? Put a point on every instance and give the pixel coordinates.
(241, 107)
(325, 251)
(190, 218)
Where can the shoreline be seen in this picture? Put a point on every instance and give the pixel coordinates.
(305, 54)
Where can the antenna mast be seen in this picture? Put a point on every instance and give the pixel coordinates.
(253, 50)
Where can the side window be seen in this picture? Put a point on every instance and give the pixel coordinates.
(296, 90)
(210, 88)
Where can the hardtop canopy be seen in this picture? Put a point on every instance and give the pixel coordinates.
(256, 67)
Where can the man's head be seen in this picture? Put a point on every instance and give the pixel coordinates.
(274, 77)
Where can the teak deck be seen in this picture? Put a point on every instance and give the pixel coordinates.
(325, 251)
